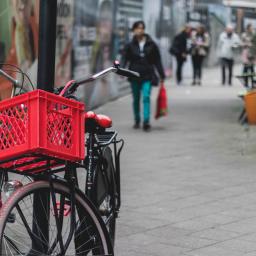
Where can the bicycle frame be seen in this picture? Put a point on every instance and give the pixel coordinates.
(95, 145)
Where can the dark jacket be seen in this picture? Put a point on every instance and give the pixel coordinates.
(145, 62)
(179, 45)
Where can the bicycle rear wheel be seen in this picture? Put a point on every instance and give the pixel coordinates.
(25, 235)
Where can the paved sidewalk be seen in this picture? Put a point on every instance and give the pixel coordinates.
(189, 186)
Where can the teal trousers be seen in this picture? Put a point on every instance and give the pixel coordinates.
(143, 87)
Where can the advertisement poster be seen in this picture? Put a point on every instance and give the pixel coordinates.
(18, 39)
(19, 24)
(93, 48)
(64, 35)
(89, 37)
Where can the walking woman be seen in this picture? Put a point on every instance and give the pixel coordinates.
(179, 50)
(200, 41)
(143, 56)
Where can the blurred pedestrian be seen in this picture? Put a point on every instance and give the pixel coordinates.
(200, 41)
(247, 54)
(228, 42)
(143, 56)
(179, 50)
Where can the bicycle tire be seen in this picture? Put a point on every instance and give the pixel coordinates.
(95, 231)
(105, 192)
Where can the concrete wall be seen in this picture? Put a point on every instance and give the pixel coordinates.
(217, 28)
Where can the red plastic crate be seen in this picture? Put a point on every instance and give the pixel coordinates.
(43, 123)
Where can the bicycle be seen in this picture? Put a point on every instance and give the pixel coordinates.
(79, 223)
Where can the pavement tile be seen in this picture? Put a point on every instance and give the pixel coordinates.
(123, 229)
(216, 234)
(165, 249)
(189, 242)
(243, 226)
(238, 245)
(127, 251)
(168, 231)
(253, 253)
(249, 237)
(194, 225)
(218, 218)
(135, 219)
(214, 251)
(240, 212)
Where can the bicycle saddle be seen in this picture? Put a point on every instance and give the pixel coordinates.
(93, 120)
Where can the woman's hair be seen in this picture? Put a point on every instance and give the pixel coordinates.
(202, 28)
(248, 26)
(137, 24)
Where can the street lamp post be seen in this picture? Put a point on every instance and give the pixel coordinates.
(47, 44)
(45, 81)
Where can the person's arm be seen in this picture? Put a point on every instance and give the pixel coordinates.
(125, 56)
(237, 41)
(193, 39)
(193, 44)
(243, 40)
(184, 47)
(207, 40)
(158, 63)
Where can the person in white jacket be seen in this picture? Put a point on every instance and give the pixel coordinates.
(228, 42)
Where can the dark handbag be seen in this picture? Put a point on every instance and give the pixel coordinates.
(174, 49)
(154, 79)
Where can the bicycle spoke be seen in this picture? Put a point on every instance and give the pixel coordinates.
(25, 222)
(9, 248)
(58, 224)
(17, 243)
(11, 242)
(34, 220)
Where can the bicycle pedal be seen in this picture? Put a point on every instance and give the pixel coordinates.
(11, 218)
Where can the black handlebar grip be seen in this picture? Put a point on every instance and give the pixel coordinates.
(128, 73)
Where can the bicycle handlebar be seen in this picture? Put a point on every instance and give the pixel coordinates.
(95, 76)
(11, 79)
(128, 73)
(115, 69)
(73, 85)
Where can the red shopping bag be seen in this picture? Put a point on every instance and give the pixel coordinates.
(162, 102)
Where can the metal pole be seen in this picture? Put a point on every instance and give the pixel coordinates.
(45, 81)
(47, 44)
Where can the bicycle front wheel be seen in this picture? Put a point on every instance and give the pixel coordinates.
(58, 234)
